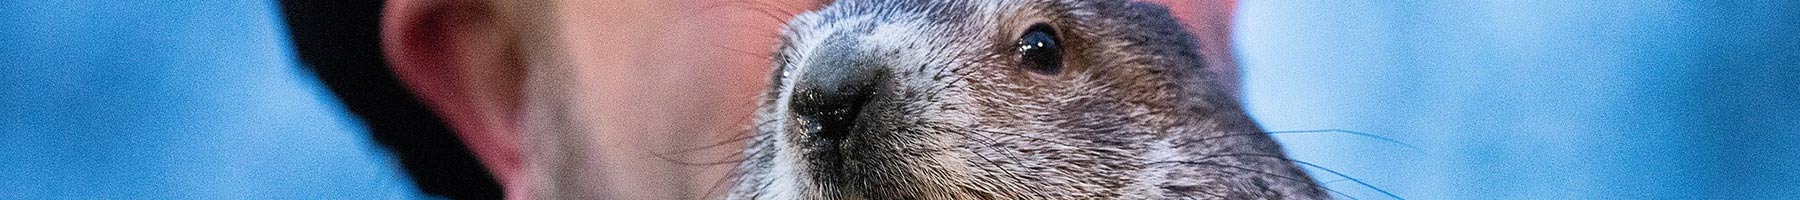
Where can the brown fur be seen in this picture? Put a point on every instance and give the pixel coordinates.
(1133, 115)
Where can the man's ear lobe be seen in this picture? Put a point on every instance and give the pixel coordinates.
(459, 58)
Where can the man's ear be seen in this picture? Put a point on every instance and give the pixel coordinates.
(459, 57)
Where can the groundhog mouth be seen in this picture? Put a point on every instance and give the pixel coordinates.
(856, 171)
(868, 160)
(849, 159)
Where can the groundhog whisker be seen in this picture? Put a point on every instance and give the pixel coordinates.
(733, 174)
(1203, 192)
(1346, 177)
(1027, 137)
(764, 186)
(666, 158)
(1308, 182)
(1333, 181)
(735, 157)
(770, 11)
(728, 141)
(1015, 158)
(1355, 133)
(733, 137)
(743, 52)
(1322, 168)
(1003, 169)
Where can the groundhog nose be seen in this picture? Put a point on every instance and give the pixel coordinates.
(830, 101)
(831, 92)
(830, 104)
(830, 115)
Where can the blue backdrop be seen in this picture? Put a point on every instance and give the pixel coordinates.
(1534, 99)
(1503, 100)
(196, 99)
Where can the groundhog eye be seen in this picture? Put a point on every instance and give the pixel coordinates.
(1039, 51)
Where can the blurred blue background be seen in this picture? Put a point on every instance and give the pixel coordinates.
(1504, 100)
(1534, 99)
(199, 99)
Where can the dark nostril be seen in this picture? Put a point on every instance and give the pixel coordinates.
(832, 110)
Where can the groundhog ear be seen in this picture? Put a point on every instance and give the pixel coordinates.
(459, 58)
(1210, 22)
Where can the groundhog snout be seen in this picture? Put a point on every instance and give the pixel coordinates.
(833, 90)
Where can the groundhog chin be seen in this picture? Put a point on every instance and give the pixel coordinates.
(896, 163)
(857, 159)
